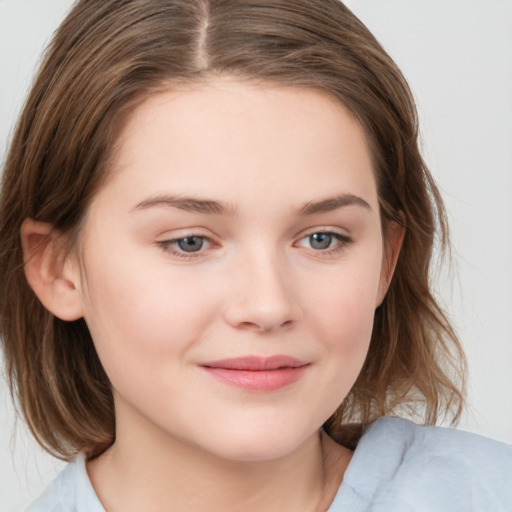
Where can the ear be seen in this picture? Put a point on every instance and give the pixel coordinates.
(393, 238)
(54, 280)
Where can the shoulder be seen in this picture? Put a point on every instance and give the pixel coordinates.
(426, 443)
(401, 466)
(71, 491)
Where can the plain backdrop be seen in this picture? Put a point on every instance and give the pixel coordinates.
(457, 56)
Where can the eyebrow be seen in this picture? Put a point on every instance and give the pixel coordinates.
(212, 207)
(333, 203)
(189, 204)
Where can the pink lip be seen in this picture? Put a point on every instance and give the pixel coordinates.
(257, 373)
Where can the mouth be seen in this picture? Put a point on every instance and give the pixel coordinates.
(255, 373)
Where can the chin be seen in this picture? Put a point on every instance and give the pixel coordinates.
(258, 445)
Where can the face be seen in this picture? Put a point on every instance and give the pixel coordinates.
(232, 266)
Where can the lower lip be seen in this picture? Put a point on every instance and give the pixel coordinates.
(261, 380)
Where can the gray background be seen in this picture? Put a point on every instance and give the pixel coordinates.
(457, 56)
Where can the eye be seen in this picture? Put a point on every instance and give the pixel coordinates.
(186, 246)
(190, 243)
(320, 241)
(325, 241)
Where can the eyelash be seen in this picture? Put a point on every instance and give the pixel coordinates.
(343, 241)
(169, 245)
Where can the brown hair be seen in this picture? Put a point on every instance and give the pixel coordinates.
(108, 55)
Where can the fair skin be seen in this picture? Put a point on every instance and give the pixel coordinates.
(241, 220)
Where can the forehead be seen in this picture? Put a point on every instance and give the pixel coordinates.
(224, 136)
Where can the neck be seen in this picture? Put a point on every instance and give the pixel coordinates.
(157, 472)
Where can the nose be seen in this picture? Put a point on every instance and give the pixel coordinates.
(262, 298)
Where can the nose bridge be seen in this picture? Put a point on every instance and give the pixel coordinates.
(263, 297)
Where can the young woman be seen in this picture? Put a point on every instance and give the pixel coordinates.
(215, 231)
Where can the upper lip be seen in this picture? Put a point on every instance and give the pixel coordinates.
(256, 363)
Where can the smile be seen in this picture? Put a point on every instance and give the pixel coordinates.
(257, 373)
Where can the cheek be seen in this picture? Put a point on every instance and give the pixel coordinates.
(346, 306)
(344, 317)
(137, 316)
(347, 328)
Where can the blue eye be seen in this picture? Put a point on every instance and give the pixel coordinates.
(190, 243)
(186, 247)
(326, 242)
(320, 241)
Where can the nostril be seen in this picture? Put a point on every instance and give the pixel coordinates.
(251, 326)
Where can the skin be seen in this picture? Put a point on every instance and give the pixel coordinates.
(259, 285)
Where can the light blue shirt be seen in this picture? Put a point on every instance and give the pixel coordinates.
(397, 467)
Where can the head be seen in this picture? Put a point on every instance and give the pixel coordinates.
(111, 68)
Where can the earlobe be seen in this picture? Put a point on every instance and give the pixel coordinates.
(392, 245)
(55, 281)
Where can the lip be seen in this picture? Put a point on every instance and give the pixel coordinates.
(256, 373)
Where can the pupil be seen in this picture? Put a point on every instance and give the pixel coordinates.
(320, 240)
(191, 243)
